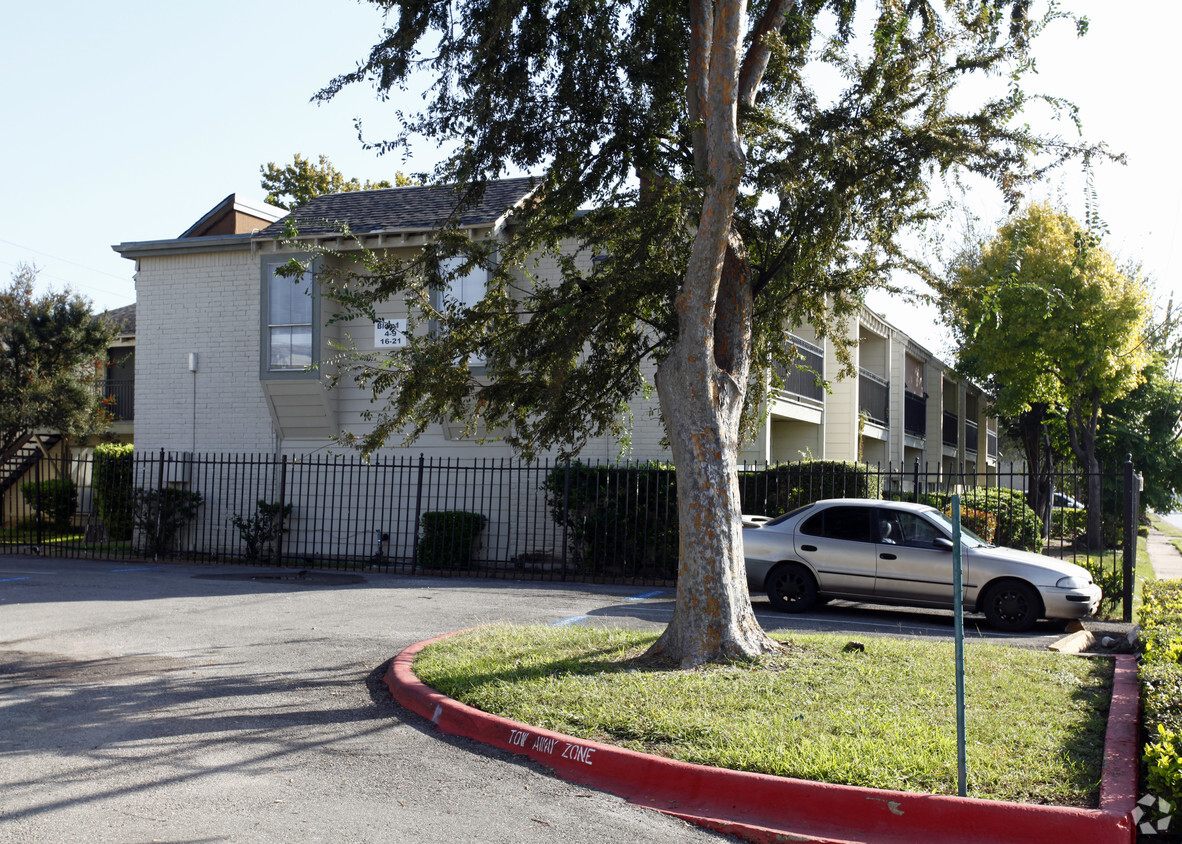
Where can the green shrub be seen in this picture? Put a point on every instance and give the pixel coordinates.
(786, 486)
(55, 500)
(263, 527)
(1068, 522)
(160, 514)
(1161, 687)
(619, 519)
(1017, 525)
(980, 522)
(449, 538)
(114, 488)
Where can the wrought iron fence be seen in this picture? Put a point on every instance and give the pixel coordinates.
(497, 518)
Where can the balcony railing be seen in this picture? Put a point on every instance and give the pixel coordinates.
(873, 397)
(991, 443)
(119, 397)
(799, 381)
(951, 428)
(915, 414)
(971, 432)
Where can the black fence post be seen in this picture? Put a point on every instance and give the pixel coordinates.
(282, 507)
(37, 500)
(159, 506)
(565, 512)
(1132, 507)
(414, 548)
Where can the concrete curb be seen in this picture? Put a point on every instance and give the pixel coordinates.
(762, 808)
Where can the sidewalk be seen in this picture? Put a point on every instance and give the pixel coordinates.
(1163, 556)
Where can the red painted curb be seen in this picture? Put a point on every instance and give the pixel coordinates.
(763, 808)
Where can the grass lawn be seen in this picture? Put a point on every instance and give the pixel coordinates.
(884, 718)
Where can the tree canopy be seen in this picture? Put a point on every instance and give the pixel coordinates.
(732, 170)
(1045, 319)
(291, 185)
(52, 353)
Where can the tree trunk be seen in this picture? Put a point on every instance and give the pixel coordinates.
(701, 392)
(1082, 424)
(702, 382)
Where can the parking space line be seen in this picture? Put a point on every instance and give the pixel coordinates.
(119, 571)
(10, 579)
(569, 620)
(644, 596)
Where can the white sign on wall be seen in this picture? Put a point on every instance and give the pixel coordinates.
(389, 333)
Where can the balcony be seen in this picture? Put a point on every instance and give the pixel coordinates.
(915, 414)
(119, 398)
(951, 429)
(971, 433)
(799, 381)
(991, 444)
(873, 397)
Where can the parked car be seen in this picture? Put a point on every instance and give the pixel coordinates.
(897, 553)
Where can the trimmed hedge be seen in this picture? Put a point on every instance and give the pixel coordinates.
(619, 519)
(449, 538)
(56, 500)
(1161, 687)
(114, 488)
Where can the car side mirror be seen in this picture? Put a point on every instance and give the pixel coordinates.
(942, 542)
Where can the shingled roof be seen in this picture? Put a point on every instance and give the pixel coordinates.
(122, 318)
(400, 209)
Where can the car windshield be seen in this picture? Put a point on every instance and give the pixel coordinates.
(967, 537)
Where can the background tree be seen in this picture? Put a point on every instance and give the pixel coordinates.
(726, 192)
(1047, 322)
(52, 357)
(291, 185)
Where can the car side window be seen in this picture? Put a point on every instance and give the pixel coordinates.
(848, 523)
(918, 532)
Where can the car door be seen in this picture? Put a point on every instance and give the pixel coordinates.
(838, 542)
(911, 567)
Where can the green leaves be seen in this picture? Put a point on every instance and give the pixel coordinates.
(52, 357)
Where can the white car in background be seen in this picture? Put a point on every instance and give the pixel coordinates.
(887, 552)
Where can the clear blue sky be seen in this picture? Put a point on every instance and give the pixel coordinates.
(127, 121)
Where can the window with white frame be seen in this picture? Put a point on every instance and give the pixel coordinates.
(290, 319)
(463, 291)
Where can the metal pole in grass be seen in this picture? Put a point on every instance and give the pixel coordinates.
(958, 626)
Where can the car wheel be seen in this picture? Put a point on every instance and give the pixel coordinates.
(1012, 606)
(791, 588)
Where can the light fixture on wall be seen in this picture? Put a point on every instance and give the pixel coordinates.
(192, 361)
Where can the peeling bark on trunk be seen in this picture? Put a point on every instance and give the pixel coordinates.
(701, 392)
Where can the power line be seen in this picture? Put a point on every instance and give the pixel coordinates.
(65, 260)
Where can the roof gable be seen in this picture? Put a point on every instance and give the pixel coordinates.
(234, 215)
(399, 209)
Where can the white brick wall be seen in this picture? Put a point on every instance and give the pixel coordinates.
(206, 303)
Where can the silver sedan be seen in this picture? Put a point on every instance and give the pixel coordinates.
(897, 553)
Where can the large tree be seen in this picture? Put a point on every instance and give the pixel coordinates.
(734, 170)
(291, 185)
(1047, 321)
(52, 356)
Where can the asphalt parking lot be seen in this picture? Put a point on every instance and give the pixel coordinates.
(160, 702)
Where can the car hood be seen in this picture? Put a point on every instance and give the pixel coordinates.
(1051, 568)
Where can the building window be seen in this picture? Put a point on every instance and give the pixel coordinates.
(289, 321)
(462, 292)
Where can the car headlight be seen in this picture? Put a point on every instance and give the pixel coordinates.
(1073, 582)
